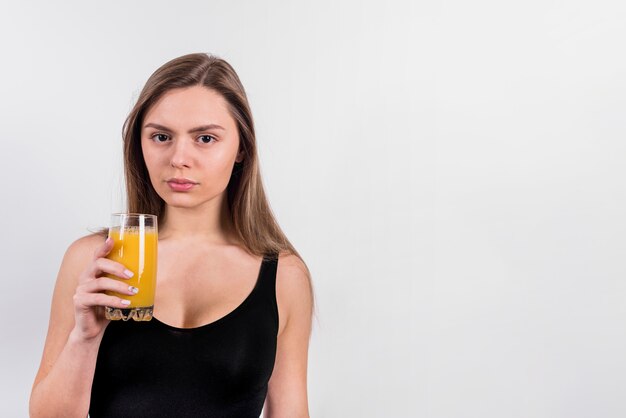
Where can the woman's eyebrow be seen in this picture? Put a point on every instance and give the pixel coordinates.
(196, 129)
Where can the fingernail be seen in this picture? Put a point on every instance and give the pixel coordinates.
(128, 273)
(133, 289)
(125, 302)
(108, 241)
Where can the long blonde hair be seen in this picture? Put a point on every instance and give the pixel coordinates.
(254, 223)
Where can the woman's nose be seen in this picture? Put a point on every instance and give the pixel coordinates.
(181, 154)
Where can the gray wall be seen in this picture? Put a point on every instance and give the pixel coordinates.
(452, 172)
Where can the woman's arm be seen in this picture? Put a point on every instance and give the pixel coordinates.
(287, 390)
(62, 387)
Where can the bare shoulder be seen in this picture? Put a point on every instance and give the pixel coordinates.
(76, 258)
(290, 262)
(84, 247)
(292, 277)
(294, 291)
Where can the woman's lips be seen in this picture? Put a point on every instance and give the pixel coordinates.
(180, 187)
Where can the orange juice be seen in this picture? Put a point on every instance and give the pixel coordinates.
(136, 248)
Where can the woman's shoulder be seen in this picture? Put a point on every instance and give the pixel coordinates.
(294, 290)
(293, 279)
(291, 264)
(87, 242)
(83, 248)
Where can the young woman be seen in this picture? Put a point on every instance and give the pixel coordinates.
(234, 301)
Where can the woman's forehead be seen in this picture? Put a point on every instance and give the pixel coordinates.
(190, 108)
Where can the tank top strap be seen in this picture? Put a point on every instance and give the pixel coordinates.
(267, 282)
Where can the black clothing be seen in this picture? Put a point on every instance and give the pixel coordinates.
(218, 370)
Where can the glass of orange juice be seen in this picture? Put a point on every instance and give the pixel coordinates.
(135, 239)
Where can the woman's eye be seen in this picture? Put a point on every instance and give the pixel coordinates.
(206, 139)
(157, 137)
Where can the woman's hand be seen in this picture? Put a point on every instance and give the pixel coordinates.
(90, 299)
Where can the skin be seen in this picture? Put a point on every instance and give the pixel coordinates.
(203, 272)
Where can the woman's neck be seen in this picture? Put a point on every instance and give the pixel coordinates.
(210, 224)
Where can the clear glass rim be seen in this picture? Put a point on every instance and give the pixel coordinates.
(133, 220)
(133, 215)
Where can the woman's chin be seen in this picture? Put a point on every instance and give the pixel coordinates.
(185, 202)
(179, 203)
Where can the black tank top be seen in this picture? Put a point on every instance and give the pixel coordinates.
(218, 370)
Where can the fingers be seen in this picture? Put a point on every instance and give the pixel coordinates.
(101, 253)
(100, 264)
(90, 293)
(104, 283)
(104, 265)
(99, 299)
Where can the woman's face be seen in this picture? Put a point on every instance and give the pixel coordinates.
(189, 134)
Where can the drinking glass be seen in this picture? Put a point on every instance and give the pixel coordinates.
(135, 239)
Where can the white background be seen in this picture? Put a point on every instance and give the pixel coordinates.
(451, 171)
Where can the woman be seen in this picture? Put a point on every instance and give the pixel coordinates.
(234, 302)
